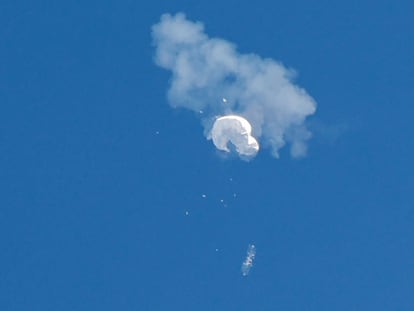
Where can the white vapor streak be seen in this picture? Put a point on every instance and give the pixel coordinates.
(206, 70)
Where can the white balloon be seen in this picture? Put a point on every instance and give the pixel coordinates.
(236, 130)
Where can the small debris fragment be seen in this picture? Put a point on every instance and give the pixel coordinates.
(248, 262)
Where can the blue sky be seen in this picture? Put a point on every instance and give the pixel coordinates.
(93, 200)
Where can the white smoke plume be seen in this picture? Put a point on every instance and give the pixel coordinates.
(248, 262)
(260, 91)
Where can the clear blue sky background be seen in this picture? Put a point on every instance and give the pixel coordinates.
(93, 201)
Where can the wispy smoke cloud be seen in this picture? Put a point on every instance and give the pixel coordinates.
(204, 70)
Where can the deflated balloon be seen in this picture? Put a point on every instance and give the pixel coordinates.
(237, 131)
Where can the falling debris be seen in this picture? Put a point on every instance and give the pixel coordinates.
(248, 262)
(186, 213)
(210, 77)
(224, 204)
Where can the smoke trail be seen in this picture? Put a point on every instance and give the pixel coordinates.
(248, 262)
(261, 91)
